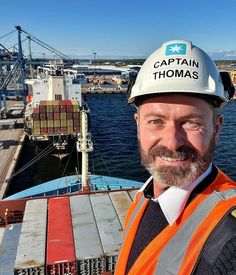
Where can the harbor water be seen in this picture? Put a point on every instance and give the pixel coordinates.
(116, 150)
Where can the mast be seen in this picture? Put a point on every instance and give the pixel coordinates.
(84, 145)
(30, 58)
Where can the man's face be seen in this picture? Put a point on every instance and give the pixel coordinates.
(177, 136)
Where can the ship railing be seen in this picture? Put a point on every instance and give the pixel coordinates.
(11, 217)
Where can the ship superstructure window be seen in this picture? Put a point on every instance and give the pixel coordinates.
(58, 97)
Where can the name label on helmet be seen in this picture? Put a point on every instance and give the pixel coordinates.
(178, 68)
(176, 73)
(177, 61)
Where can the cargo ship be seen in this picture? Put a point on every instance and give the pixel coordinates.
(53, 110)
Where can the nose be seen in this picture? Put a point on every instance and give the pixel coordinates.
(173, 137)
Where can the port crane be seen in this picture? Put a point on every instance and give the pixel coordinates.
(18, 69)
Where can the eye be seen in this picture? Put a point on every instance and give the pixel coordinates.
(157, 122)
(191, 125)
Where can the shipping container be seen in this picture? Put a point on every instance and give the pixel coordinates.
(64, 130)
(76, 129)
(50, 123)
(36, 124)
(57, 123)
(50, 116)
(55, 102)
(76, 115)
(63, 122)
(49, 108)
(121, 202)
(70, 130)
(56, 129)
(69, 108)
(42, 109)
(51, 131)
(43, 131)
(35, 116)
(56, 108)
(30, 257)
(63, 115)
(43, 124)
(62, 108)
(60, 244)
(67, 102)
(43, 103)
(109, 228)
(69, 122)
(43, 116)
(9, 238)
(36, 131)
(69, 115)
(56, 116)
(76, 122)
(88, 246)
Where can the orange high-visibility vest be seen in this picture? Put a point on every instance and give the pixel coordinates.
(177, 248)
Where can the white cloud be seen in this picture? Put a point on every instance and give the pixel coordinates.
(224, 55)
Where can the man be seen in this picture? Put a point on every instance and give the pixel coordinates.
(183, 220)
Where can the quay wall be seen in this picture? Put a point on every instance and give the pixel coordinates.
(12, 164)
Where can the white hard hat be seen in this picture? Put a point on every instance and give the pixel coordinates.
(179, 67)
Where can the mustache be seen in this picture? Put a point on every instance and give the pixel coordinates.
(185, 152)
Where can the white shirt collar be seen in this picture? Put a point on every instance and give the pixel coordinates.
(174, 199)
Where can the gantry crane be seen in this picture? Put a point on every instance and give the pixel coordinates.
(18, 69)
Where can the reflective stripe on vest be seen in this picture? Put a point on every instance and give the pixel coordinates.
(133, 216)
(171, 257)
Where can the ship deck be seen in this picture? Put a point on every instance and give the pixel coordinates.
(70, 234)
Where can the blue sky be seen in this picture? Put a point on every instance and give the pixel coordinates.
(122, 28)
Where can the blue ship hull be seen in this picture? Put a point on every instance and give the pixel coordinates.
(72, 184)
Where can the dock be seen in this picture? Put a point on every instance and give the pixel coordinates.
(11, 142)
(104, 86)
(103, 90)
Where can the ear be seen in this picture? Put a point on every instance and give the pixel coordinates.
(136, 117)
(219, 123)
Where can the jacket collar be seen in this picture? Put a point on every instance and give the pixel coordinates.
(174, 199)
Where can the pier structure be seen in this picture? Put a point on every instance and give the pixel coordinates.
(103, 90)
(11, 142)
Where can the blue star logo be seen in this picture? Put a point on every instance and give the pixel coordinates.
(176, 49)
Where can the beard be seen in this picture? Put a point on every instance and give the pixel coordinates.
(193, 166)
